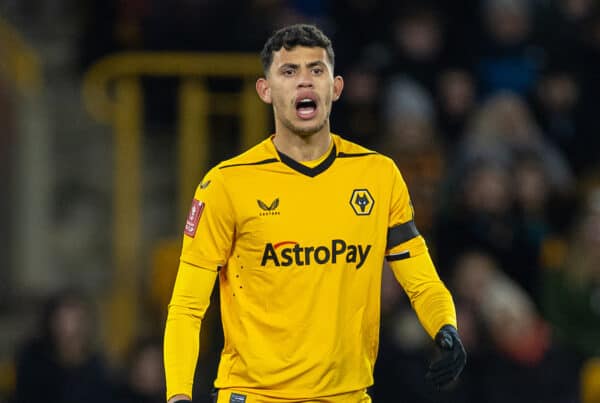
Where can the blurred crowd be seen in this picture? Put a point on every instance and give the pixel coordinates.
(63, 361)
(489, 109)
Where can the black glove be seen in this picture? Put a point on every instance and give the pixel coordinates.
(451, 360)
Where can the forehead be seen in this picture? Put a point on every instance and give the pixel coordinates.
(299, 55)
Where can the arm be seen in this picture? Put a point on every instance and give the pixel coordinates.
(434, 307)
(190, 300)
(409, 259)
(429, 297)
(207, 241)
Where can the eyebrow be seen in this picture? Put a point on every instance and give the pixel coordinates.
(309, 65)
(316, 63)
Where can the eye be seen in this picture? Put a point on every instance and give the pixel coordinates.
(317, 71)
(288, 72)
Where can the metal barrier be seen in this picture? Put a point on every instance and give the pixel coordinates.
(123, 109)
(19, 62)
(21, 75)
(22, 71)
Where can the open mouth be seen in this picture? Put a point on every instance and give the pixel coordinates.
(306, 108)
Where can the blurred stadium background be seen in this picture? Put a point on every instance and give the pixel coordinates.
(112, 110)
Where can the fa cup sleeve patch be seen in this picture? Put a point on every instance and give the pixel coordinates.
(191, 224)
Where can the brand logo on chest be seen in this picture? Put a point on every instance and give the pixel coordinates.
(292, 253)
(270, 209)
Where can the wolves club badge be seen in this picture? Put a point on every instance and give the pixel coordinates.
(361, 201)
(191, 225)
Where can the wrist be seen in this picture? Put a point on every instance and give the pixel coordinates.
(446, 337)
(448, 328)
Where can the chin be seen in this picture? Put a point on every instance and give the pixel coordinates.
(308, 128)
(304, 128)
(307, 131)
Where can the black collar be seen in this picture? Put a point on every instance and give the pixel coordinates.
(303, 169)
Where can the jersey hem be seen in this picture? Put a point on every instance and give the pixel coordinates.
(291, 396)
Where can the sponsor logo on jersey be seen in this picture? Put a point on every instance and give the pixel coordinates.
(270, 209)
(288, 253)
(191, 224)
(361, 201)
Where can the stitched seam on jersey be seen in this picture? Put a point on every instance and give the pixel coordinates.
(199, 261)
(234, 359)
(267, 161)
(232, 207)
(353, 155)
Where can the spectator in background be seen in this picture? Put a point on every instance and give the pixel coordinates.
(505, 124)
(259, 18)
(512, 181)
(455, 99)
(500, 313)
(506, 121)
(515, 358)
(359, 25)
(471, 277)
(144, 380)
(359, 114)
(417, 47)
(557, 102)
(61, 363)
(533, 198)
(506, 56)
(558, 25)
(481, 215)
(572, 290)
(558, 99)
(575, 11)
(411, 140)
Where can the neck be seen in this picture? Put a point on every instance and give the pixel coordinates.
(303, 148)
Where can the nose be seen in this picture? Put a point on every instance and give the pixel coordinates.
(305, 79)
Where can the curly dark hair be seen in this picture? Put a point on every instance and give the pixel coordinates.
(292, 36)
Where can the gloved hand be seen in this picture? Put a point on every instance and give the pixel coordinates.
(451, 360)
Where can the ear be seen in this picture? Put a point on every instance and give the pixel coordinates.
(263, 90)
(338, 86)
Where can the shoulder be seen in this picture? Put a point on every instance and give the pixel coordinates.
(260, 154)
(349, 149)
(242, 165)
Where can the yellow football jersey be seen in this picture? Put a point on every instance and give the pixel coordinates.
(299, 251)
